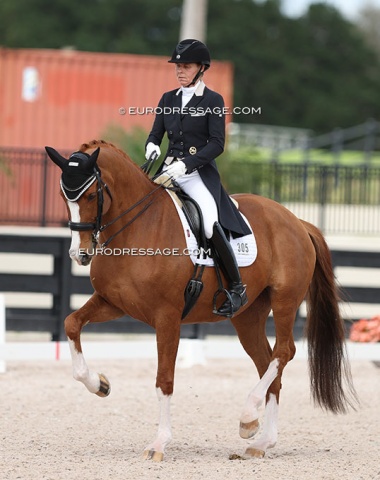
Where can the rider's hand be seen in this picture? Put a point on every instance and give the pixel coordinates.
(176, 169)
(152, 151)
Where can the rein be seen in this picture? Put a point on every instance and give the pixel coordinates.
(103, 227)
(97, 226)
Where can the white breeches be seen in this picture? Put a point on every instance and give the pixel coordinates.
(193, 185)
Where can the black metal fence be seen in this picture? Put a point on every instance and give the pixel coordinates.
(29, 189)
(338, 199)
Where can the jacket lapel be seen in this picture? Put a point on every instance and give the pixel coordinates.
(177, 105)
(193, 102)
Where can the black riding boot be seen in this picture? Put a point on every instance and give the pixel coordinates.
(227, 261)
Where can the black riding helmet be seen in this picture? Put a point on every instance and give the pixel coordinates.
(192, 51)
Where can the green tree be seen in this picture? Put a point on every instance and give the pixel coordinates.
(315, 72)
(312, 72)
(134, 26)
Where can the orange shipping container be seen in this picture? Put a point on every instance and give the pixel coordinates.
(64, 98)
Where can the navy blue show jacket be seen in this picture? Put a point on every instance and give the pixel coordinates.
(196, 136)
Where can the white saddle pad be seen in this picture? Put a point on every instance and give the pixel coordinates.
(245, 248)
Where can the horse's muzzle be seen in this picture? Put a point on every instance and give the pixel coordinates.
(82, 258)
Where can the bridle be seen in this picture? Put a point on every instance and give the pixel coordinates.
(97, 227)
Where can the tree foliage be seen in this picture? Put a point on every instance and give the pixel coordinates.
(316, 71)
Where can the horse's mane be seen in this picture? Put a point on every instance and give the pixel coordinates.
(98, 143)
(103, 143)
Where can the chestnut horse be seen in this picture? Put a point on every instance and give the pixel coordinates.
(123, 207)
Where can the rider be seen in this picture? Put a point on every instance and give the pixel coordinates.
(193, 118)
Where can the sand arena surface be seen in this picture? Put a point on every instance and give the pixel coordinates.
(52, 428)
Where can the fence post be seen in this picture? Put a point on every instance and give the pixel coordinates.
(337, 144)
(323, 198)
(372, 128)
(61, 302)
(44, 191)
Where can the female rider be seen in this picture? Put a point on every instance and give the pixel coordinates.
(193, 118)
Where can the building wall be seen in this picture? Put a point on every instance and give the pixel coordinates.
(63, 98)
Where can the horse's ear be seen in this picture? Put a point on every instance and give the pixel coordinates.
(56, 157)
(94, 155)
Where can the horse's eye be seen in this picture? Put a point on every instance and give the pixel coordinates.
(91, 196)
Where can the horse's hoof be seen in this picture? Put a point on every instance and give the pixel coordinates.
(253, 453)
(153, 455)
(104, 387)
(248, 430)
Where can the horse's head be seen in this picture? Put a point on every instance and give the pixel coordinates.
(83, 190)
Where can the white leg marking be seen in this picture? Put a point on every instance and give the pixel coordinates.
(75, 237)
(164, 433)
(81, 372)
(257, 395)
(268, 437)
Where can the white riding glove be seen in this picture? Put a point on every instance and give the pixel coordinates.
(176, 169)
(152, 151)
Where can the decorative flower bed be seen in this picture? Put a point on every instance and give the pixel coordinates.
(366, 330)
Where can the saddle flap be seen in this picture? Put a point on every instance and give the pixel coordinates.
(189, 206)
(194, 216)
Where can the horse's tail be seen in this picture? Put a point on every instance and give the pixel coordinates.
(328, 366)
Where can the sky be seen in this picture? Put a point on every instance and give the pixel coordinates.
(349, 8)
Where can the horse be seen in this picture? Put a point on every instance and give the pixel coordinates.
(121, 206)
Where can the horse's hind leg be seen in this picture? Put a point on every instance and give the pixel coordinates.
(270, 384)
(96, 309)
(251, 330)
(250, 327)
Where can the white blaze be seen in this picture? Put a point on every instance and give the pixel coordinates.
(75, 238)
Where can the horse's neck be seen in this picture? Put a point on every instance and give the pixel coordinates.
(132, 185)
(129, 182)
(131, 191)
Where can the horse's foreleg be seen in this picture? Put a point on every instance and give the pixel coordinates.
(96, 309)
(167, 346)
(96, 383)
(155, 450)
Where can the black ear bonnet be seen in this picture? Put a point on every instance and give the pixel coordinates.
(78, 175)
(79, 172)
